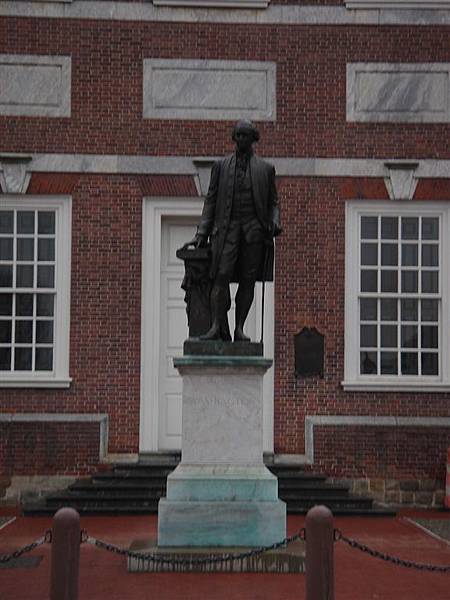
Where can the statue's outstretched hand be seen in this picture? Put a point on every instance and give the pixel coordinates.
(197, 242)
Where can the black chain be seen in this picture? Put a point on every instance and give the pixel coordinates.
(210, 559)
(220, 558)
(393, 559)
(45, 539)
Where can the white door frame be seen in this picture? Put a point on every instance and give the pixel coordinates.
(154, 209)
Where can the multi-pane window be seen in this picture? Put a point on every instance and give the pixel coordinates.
(396, 292)
(33, 291)
(399, 300)
(27, 289)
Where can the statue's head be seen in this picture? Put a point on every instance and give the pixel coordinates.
(244, 134)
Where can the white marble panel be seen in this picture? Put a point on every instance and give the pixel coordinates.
(173, 406)
(176, 326)
(222, 418)
(397, 92)
(209, 89)
(35, 85)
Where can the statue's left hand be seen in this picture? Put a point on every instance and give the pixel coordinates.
(197, 242)
(275, 230)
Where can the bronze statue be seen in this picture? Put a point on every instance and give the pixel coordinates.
(240, 217)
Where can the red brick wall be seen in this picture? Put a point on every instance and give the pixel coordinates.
(311, 79)
(388, 452)
(310, 292)
(105, 311)
(48, 448)
(106, 237)
(106, 327)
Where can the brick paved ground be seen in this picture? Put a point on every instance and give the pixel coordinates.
(358, 577)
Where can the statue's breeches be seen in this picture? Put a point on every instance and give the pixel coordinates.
(242, 252)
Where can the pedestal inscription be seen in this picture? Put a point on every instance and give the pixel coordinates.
(222, 419)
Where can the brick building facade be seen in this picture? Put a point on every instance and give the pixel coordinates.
(110, 116)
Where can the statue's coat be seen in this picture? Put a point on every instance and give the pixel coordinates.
(218, 204)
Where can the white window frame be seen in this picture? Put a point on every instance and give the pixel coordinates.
(354, 209)
(214, 3)
(59, 377)
(399, 4)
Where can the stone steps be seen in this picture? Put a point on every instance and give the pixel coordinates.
(136, 488)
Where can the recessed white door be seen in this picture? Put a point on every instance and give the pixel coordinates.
(174, 330)
(167, 225)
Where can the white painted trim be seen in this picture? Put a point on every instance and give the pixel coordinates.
(273, 14)
(154, 210)
(432, 388)
(399, 4)
(352, 380)
(101, 419)
(214, 3)
(312, 421)
(192, 165)
(62, 205)
(39, 382)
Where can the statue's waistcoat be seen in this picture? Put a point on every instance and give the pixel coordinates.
(243, 206)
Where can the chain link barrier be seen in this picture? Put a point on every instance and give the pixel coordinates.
(45, 539)
(210, 559)
(401, 562)
(222, 558)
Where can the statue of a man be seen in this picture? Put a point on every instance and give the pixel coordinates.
(240, 217)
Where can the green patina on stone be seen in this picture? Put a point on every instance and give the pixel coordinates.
(220, 348)
(222, 361)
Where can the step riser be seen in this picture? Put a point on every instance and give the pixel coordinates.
(137, 489)
(99, 504)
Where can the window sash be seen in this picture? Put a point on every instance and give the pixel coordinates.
(49, 331)
(353, 377)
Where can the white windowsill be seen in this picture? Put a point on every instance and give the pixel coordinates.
(50, 382)
(398, 4)
(358, 386)
(214, 3)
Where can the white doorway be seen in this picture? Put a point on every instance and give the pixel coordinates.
(167, 224)
(175, 231)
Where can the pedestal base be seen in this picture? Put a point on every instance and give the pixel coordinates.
(221, 494)
(290, 559)
(232, 523)
(222, 483)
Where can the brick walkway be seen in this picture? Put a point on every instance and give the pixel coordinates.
(358, 577)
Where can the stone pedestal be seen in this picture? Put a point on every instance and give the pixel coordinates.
(221, 494)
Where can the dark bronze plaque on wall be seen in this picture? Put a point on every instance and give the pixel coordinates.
(309, 350)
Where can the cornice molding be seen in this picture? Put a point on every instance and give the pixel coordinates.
(274, 14)
(197, 166)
